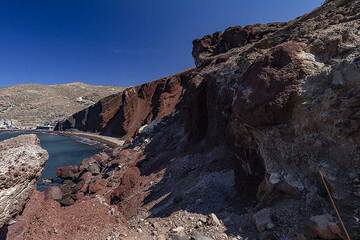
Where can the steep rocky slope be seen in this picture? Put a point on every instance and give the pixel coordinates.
(124, 113)
(237, 147)
(32, 105)
(21, 161)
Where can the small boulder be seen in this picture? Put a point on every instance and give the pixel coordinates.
(263, 220)
(67, 172)
(84, 166)
(324, 227)
(213, 220)
(94, 169)
(130, 180)
(67, 187)
(177, 230)
(67, 201)
(97, 185)
(82, 186)
(198, 236)
(86, 177)
(178, 236)
(53, 193)
(79, 196)
(161, 237)
(102, 157)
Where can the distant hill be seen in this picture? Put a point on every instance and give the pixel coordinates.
(27, 106)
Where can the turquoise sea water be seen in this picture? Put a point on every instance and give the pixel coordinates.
(63, 150)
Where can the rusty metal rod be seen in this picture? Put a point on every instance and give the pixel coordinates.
(334, 205)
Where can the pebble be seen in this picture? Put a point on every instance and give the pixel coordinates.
(179, 237)
(177, 230)
(198, 236)
(155, 225)
(214, 220)
(161, 237)
(263, 220)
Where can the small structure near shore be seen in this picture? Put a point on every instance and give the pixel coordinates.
(6, 124)
(45, 127)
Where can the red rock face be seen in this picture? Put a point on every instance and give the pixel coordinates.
(266, 96)
(128, 182)
(233, 37)
(94, 118)
(269, 88)
(123, 114)
(144, 104)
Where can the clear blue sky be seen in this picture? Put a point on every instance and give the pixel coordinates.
(118, 42)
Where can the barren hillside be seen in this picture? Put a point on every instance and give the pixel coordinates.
(32, 105)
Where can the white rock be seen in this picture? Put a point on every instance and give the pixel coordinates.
(177, 230)
(21, 162)
(263, 220)
(214, 219)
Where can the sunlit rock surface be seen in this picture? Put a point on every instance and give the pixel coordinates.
(21, 161)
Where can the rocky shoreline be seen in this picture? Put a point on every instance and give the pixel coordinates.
(244, 146)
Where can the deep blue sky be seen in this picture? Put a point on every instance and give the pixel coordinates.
(118, 42)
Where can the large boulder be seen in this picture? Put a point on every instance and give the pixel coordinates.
(21, 162)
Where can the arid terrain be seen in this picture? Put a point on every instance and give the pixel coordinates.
(27, 106)
(259, 141)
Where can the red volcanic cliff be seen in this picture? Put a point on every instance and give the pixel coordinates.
(244, 135)
(122, 114)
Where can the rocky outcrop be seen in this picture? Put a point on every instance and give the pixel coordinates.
(21, 161)
(210, 47)
(243, 136)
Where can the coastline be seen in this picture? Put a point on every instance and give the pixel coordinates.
(110, 142)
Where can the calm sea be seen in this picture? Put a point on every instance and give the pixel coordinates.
(63, 150)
